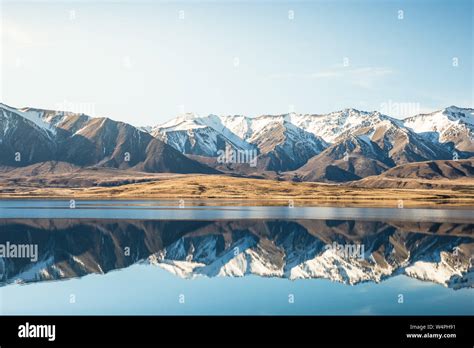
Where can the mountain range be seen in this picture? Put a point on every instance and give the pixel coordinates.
(342, 146)
(294, 249)
(29, 136)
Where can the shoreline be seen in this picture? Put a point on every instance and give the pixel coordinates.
(215, 189)
(202, 201)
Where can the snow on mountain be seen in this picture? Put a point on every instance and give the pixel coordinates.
(195, 135)
(289, 141)
(345, 145)
(349, 252)
(452, 124)
(24, 138)
(239, 125)
(367, 151)
(29, 136)
(331, 265)
(440, 120)
(35, 272)
(286, 141)
(283, 146)
(331, 126)
(297, 256)
(34, 116)
(295, 250)
(328, 127)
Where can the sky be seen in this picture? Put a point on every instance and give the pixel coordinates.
(150, 290)
(145, 62)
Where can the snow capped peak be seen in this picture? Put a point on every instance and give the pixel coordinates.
(188, 116)
(326, 126)
(5, 106)
(309, 256)
(441, 119)
(182, 122)
(32, 115)
(455, 109)
(462, 114)
(450, 125)
(146, 129)
(352, 111)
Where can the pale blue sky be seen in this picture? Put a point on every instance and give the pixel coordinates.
(141, 63)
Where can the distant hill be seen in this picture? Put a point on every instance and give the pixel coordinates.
(432, 174)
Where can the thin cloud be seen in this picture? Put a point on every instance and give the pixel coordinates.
(364, 77)
(367, 77)
(326, 74)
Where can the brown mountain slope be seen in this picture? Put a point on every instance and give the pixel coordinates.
(66, 175)
(350, 159)
(31, 136)
(434, 170)
(431, 174)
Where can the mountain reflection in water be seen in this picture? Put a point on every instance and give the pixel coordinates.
(346, 251)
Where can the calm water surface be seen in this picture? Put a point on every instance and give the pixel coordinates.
(151, 257)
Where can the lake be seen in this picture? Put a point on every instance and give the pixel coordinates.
(153, 257)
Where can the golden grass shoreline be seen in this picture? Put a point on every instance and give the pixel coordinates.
(213, 189)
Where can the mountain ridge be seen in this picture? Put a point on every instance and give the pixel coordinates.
(32, 136)
(341, 146)
(293, 249)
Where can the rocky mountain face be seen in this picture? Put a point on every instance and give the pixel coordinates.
(341, 146)
(283, 146)
(24, 137)
(370, 149)
(203, 136)
(453, 127)
(295, 250)
(337, 147)
(278, 144)
(347, 251)
(30, 136)
(351, 159)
